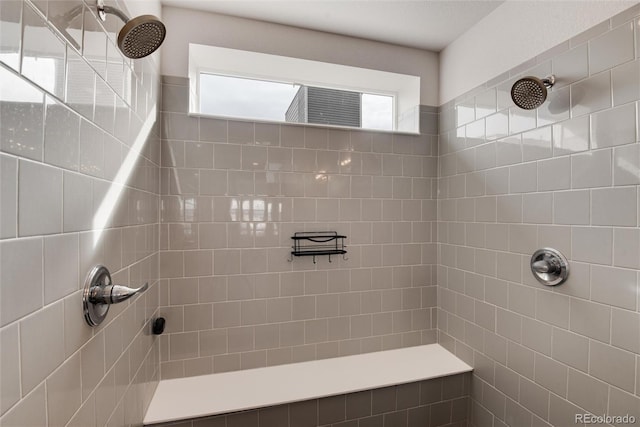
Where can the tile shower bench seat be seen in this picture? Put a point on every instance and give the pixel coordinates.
(207, 395)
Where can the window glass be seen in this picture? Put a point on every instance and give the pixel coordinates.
(250, 85)
(266, 100)
(245, 98)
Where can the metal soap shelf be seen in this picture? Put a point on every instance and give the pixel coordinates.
(317, 243)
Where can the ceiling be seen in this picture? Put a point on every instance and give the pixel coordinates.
(424, 24)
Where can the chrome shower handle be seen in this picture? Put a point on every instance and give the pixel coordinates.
(545, 266)
(100, 292)
(549, 266)
(113, 294)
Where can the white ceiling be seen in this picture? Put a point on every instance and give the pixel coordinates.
(424, 24)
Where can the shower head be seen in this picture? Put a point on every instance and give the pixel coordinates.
(530, 92)
(140, 36)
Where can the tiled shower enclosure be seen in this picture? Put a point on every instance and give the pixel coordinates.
(79, 180)
(100, 162)
(564, 176)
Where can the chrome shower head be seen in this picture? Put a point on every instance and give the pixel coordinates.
(140, 36)
(530, 92)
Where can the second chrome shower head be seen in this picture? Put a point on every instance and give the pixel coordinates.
(140, 36)
(530, 92)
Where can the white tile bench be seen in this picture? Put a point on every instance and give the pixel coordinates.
(222, 393)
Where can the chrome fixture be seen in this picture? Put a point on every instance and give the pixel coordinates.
(549, 266)
(100, 292)
(530, 92)
(140, 36)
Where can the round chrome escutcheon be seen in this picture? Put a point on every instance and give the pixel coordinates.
(549, 266)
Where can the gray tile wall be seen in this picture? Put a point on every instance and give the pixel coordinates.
(566, 175)
(438, 402)
(79, 186)
(233, 194)
(509, 181)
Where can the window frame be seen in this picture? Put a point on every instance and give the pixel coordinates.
(404, 89)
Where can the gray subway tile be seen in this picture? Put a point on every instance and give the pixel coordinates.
(31, 410)
(616, 126)
(358, 405)
(592, 244)
(612, 365)
(587, 392)
(517, 415)
(536, 335)
(440, 413)
(40, 190)
(625, 83)
(10, 367)
(243, 419)
(591, 95)
(562, 412)
(22, 284)
(552, 308)
(626, 163)
(590, 319)
(534, 398)
(616, 206)
(571, 349)
(61, 136)
(592, 169)
(8, 197)
(612, 48)
(571, 136)
(331, 409)
(431, 391)
(625, 330)
(507, 381)
(571, 66)
(25, 136)
(551, 375)
(38, 41)
(494, 400)
(614, 286)
(520, 359)
(397, 418)
(64, 391)
(274, 416)
(623, 403)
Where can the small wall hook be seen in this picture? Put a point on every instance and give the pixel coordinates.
(158, 326)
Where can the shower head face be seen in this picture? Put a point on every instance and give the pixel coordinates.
(529, 92)
(141, 36)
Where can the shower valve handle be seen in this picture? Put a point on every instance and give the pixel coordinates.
(113, 294)
(100, 292)
(544, 266)
(549, 266)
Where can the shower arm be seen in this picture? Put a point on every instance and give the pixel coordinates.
(549, 81)
(103, 10)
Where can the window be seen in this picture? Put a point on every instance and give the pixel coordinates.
(245, 98)
(255, 86)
